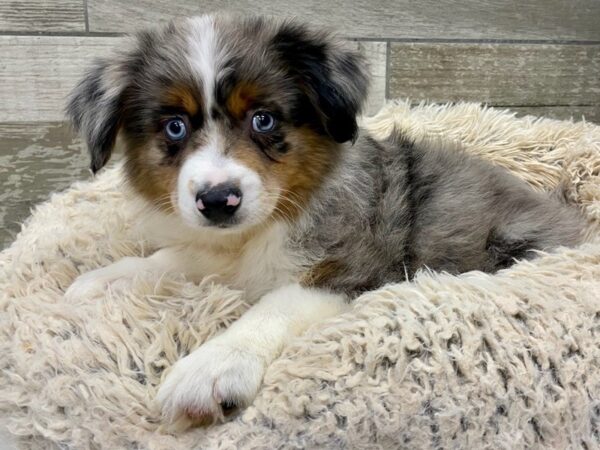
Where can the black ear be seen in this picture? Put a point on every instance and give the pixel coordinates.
(94, 108)
(336, 79)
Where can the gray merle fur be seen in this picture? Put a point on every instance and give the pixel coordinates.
(393, 207)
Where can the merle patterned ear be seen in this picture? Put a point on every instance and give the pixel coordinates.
(94, 108)
(336, 79)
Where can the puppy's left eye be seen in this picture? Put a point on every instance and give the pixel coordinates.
(263, 122)
(175, 130)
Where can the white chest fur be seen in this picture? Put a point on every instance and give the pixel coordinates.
(256, 263)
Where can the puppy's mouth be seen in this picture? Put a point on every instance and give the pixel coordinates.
(231, 223)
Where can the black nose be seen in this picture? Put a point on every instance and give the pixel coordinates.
(219, 203)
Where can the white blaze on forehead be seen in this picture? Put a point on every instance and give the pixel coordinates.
(204, 54)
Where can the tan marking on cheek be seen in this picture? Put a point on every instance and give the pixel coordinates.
(153, 156)
(152, 180)
(303, 168)
(297, 173)
(191, 187)
(241, 98)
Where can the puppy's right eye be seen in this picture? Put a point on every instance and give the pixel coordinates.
(263, 122)
(175, 130)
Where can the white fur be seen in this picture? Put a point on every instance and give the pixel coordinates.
(255, 263)
(205, 54)
(230, 367)
(170, 259)
(209, 167)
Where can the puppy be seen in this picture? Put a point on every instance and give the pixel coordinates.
(242, 134)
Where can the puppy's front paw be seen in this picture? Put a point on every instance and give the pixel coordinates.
(211, 383)
(87, 285)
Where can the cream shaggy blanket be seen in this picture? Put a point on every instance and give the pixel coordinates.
(510, 360)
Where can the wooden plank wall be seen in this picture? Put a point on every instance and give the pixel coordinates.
(537, 57)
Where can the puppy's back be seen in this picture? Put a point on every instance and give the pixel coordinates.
(469, 214)
(392, 207)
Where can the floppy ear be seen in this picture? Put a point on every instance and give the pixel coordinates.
(95, 108)
(336, 79)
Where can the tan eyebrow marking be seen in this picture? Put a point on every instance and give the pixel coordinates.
(182, 96)
(241, 98)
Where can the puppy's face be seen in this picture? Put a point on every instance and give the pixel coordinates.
(226, 122)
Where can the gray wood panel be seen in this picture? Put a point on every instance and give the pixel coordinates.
(42, 15)
(38, 72)
(500, 74)
(35, 160)
(458, 19)
(376, 53)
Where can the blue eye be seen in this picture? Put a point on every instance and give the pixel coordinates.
(175, 130)
(263, 122)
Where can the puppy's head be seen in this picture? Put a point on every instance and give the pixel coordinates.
(227, 122)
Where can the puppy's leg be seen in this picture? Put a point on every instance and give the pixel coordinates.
(542, 224)
(226, 372)
(93, 282)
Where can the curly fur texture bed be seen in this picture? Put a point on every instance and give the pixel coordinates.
(479, 361)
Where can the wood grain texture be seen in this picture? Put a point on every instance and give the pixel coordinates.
(499, 74)
(36, 159)
(376, 54)
(42, 15)
(458, 19)
(37, 73)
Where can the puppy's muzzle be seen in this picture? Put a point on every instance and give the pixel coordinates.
(219, 203)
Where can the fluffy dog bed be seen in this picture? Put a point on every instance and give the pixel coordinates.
(478, 361)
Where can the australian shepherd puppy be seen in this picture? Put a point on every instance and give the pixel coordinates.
(243, 133)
